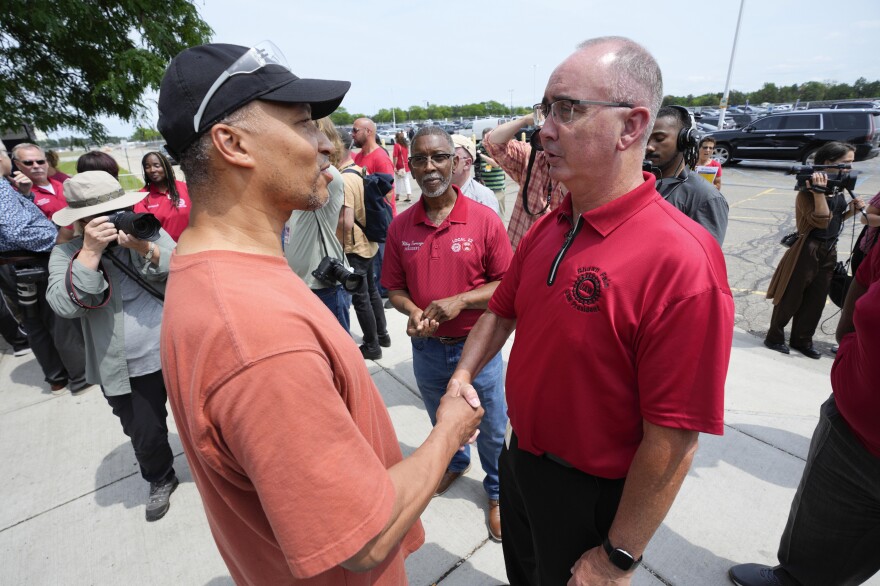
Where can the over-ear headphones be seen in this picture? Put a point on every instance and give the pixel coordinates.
(687, 136)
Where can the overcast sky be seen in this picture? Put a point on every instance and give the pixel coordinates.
(457, 52)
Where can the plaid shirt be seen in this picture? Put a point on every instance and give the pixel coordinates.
(514, 159)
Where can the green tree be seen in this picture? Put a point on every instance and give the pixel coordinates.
(144, 134)
(341, 117)
(63, 63)
(812, 91)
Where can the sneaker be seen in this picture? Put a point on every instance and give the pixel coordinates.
(755, 575)
(160, 498)
(385, 340)
(22, 351)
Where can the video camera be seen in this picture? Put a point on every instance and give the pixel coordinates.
(844, 178)
(331, 270)
(140, 226)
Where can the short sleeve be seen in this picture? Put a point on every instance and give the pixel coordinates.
(682, 355)
(502, 301)
(321, 485)
(393, 272)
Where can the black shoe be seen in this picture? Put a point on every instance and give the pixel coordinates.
(385, 340)
(779, 347)
(754, 575)
(370, 353)
(834, 349)
(160, 498)
(808, 351)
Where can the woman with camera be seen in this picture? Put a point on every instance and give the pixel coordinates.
(801, 281)
(113, 281)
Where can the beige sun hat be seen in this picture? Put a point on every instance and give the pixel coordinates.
(93, 193)
(467, 144)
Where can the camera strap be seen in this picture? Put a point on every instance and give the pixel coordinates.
(525, 189)
(136, 278)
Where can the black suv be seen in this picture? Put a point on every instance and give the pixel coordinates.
(795, 136)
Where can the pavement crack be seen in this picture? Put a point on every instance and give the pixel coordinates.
(765, 442)
(458, 564)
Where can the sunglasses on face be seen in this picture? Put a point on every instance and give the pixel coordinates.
(30, 162)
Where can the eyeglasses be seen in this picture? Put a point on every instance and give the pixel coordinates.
(562, 111)
(259, 56)
(30, 163)
(355, 130)
(420, 161)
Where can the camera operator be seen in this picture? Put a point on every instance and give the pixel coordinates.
(311, 242)
(114, 281)
(801, 281)
(26, 238)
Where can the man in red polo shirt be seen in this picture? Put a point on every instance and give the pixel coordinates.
(444, 257)
(624, 326)
(47, 193)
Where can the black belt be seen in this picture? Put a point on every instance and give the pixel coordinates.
(514, 442)
(447, 341)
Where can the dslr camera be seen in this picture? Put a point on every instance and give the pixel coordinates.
(331, 271)
(140, 226)
(840, 177)
(26, 279)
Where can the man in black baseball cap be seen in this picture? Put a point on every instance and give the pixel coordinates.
(277, 413)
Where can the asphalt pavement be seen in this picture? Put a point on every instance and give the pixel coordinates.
(73, 505)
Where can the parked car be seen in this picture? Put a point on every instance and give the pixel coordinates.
(795, 136)
(387, 135)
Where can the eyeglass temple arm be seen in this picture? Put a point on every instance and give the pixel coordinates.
(197, 119)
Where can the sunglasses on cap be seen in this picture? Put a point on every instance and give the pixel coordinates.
(259, 56)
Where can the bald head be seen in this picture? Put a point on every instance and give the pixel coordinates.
(363, 133)
(632, 73)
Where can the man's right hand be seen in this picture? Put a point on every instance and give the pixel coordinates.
(22, 183)
(98, 234)
(460, 408)
(419, 326)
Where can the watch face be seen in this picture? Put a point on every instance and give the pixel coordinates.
(622, 559)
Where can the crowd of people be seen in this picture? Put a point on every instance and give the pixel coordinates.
(151, 295)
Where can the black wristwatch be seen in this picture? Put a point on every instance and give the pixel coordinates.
(620, 557)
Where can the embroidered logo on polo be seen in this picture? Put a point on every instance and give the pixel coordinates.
(411, 246)
(463, 245)
(586, 292)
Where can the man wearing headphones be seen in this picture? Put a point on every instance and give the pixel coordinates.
(672, 148)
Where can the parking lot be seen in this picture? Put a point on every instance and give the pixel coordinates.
(761, 198)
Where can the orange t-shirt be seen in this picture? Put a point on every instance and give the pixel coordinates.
(287, 437)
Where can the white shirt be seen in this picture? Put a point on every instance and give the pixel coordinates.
(480, 193)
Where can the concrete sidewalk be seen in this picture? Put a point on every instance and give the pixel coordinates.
(73, 504)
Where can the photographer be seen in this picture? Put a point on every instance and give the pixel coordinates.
(311, 242)
(112, 281)
(801, 281)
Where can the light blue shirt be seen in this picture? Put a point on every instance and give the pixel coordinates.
(22, 225)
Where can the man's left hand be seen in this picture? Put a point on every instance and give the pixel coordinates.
(595, 569)
(127, 241)
(444, 309)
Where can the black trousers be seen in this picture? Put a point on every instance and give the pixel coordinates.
(367, 303)
(550, 515)
(10, 329)
(804, 297)
(57, 342)
(143, 416)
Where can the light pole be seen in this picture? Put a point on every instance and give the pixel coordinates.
(511, 103)
(534, 83)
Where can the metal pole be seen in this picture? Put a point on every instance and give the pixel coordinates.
(730, 67)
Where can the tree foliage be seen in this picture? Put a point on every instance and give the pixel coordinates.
(811, 91)
(63, 63)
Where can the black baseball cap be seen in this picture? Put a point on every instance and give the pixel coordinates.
(191, 74)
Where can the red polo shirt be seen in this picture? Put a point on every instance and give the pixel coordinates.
(173, 219)
(467, 250)
(377, 161)
(47, 201)
(638, 324)
(856, 371)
